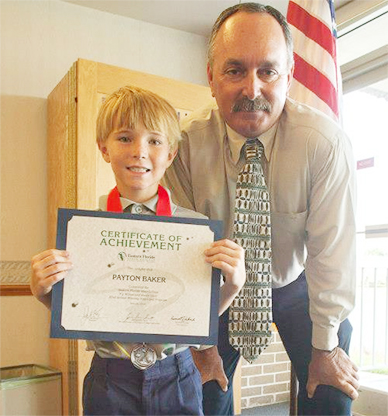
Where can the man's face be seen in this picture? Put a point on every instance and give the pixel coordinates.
(247, 47)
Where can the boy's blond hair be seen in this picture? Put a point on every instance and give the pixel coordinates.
(130, 106)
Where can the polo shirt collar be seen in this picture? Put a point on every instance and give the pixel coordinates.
(150, 204)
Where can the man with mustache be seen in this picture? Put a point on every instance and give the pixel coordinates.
(309, 171)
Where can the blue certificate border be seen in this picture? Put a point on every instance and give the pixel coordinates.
(58, 331)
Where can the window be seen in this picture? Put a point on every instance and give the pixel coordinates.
(365, 117)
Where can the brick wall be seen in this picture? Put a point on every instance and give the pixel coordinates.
(267, 380)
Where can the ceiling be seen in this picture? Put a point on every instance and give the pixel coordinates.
(195, 16)
(198, 16)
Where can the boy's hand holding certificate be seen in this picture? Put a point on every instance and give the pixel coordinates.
(136, 279)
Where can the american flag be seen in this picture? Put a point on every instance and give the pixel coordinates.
(317, 80)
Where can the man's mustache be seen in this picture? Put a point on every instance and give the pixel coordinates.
(258, 104)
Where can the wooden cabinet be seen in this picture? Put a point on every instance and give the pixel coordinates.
(77, 175)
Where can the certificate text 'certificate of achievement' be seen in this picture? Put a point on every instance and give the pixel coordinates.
(136, 279)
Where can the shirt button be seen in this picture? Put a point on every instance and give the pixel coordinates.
(138, 209)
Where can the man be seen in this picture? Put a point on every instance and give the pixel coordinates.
(309, 171)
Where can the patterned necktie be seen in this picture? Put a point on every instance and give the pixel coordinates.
(250, 314)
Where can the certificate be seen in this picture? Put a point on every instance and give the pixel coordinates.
(136, 278)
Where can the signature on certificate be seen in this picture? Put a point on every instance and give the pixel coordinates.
(137, 317)
(183, 318)
(92, 314)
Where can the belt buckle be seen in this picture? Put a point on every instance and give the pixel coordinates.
(143, 357)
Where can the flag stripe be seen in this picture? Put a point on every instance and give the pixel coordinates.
(316, 77)
(310, 26)
(315, 81)
(302, 94)
(312, 53)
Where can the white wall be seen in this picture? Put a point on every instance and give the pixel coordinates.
(40, 40)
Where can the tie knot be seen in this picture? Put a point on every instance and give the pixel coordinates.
(253, 149)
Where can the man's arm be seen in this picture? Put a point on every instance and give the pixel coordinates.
(178, 177)
(178, 180)
(330, 266)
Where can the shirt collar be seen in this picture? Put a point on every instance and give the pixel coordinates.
(150, 204)
(237, 141)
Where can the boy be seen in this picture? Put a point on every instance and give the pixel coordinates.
(138, 134)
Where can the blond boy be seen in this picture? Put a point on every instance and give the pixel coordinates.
(138, 134)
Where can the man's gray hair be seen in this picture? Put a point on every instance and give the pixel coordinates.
(251, 8)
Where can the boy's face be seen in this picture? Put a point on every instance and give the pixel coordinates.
(139, 158)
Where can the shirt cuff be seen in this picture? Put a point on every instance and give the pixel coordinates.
(325, 338)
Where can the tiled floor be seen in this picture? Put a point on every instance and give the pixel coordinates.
(279, 409)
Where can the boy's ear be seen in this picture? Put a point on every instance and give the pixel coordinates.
(104, 152)
(171, 156)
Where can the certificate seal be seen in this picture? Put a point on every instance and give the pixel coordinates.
(143, 357)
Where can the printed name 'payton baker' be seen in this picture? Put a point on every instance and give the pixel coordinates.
(137, 278)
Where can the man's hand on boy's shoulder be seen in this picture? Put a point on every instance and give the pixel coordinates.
(48, 268)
